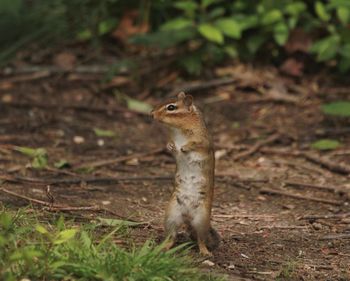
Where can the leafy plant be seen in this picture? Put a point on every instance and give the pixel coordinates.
(338, 108)
(325, 144)
(104, 133)
(59, 250)
(39, 156)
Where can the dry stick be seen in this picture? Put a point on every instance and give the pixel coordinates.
(79, 179)
(322, 161)
(327, 163)
(329, 216)
(256, 147)
(115, 108)
(26, 77)
(106, 162)
(303, 197)
(336, 236)
(317, 186)
(197, 86)
(56, 207)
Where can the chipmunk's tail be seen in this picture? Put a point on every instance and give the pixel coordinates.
(213, 239)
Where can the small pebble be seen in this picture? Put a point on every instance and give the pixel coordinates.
(78, 139)
(231, 266)
(132, 162)
(208, 263)
(317, 226)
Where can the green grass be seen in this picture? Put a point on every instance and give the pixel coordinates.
(63, 250)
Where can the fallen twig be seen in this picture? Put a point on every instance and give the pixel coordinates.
(106, 162)
(115, 108)
(329, 216)
(322, 161)
(316, 186)
(200, 85)
(57, 207)
(257, 146)
(27, 77)
(78, 180)
(105, 180)
(336, 236)
(331, 165)
(303, 197)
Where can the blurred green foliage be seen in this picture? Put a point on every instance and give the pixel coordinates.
(51, 249)
(210, 30)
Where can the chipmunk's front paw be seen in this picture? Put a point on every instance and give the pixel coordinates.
(171, 147)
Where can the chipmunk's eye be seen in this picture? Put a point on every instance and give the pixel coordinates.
(171, 107)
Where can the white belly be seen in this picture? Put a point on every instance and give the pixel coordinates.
(190, 179)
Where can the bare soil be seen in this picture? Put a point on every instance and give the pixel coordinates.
(264, 236)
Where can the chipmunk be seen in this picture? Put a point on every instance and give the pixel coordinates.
(192, 197)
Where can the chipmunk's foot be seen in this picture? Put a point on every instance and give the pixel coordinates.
(171, 147)
(203, 250)
(169, 244)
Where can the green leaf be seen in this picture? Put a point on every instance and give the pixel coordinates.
(246, 21)
(217, 12)
(39, 155)
(41, 159)
(338, 108)
(255, 42)
(325, 144)
(39, 228)
(138, 106)
(295, 9)
(229, 27)
(107, 26)
(189, 7)
(211, 33)
(84, 35)
(61, 164)
(344, 64)
(176, 24)
(326, 48)
(321, 11)
(345, 51)
(337, 3)
(5, 220)
(231, 51)
(271, 17)
(116, 222)
(64, 236)
(31, 152)
(192, 63)
(206, 3)
(281, 33)
(165, 38)
(343, 15)
(104, 133)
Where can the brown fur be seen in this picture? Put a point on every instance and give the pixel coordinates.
(187, 121)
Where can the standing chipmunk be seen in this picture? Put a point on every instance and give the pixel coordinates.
(192, 198)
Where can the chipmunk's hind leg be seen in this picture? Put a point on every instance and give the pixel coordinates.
(172, 223)
(201, 225)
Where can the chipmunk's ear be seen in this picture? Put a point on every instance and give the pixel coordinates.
(181, 96)
(188, 100)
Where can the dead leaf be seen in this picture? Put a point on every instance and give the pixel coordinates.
(65, 60)
(292, 67)
(6, 98)
(129, 26)
(298, 40)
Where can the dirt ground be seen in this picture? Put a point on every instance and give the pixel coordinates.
(262, 125)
